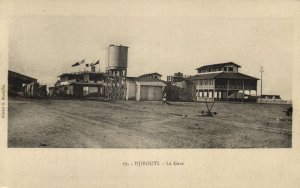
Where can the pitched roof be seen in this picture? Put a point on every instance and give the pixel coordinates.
(152, 83)
(28, 79)
(146, 79)
(224, 75)
(235, 75)
(205, 76)
(218, 65)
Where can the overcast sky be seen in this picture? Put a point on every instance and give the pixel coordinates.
(46, 46)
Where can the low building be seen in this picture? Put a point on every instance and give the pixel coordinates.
(149, 90)
(25, 86)
(42, 90)
(223, 82)
(31, 90)
(17, 81)
(272, 99)
(145, 88)
(51, 91)
(270, 96)
(179, 87)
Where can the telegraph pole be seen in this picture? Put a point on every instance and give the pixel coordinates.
(261, 82)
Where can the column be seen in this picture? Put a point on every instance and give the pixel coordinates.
(243, 91)
(227, 90)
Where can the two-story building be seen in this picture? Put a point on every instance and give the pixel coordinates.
(81, 84)
(223, 82)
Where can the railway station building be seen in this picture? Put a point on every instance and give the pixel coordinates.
(224, 82)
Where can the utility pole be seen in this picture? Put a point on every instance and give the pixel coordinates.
(261, 82)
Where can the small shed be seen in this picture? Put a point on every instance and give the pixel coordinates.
(144, 89)
(149, 91)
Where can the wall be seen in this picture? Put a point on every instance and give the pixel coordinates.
(143, 93)
(89, 90)
(155, 93)
(149, 93)
(204, 84)
(181, 91)
(235, 69)
(31, 90)
(131, 90)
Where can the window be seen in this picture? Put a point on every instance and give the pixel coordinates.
(230, 69)
(225, 68)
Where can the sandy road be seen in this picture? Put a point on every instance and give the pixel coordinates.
(130, 124)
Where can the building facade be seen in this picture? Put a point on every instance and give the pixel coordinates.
(25, 86)
(80, 84)
(179, 87)
(148, 87)
(223, 82)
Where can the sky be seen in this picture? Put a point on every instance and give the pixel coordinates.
(46, 46)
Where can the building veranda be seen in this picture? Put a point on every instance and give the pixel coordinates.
(223, 82)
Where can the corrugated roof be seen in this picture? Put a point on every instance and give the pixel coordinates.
(142, 79)
(223, 75)
(218, 64)
(152, 83)
(205, 76)
(13, 74)
(235, 75)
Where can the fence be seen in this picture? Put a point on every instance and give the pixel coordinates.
(273, 101)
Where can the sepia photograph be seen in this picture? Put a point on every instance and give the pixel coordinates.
(129, 93)
(144, 82)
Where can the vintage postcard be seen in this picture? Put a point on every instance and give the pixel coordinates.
(149, 94)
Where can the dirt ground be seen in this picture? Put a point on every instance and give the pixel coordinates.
(132, 124)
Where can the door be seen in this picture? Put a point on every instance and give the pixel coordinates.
(144, 93)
